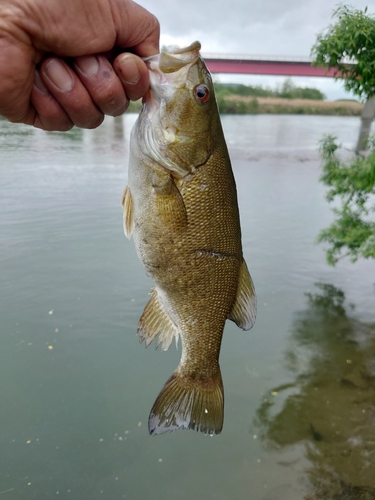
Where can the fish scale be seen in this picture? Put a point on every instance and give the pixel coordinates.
(181, 207)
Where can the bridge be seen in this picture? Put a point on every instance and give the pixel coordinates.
(264, 65)
(287, 66)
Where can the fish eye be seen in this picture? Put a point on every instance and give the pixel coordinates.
(201, 93)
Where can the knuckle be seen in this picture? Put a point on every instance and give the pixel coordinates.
(52, 119)
(120, 110)
(60, 127)
(110, 100)
(90, 123)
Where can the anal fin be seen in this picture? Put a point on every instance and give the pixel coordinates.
(244, 309)
(127, 203)
(154, 320)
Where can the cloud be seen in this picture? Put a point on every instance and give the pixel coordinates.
(261, 27)
(246, 26)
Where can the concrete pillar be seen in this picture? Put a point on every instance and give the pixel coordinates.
(368, 114)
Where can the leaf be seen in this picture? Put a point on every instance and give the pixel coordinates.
(353, 182)
(350, 37)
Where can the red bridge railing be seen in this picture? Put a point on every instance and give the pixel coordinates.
(254, 65)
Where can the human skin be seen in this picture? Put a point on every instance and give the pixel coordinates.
(64, 62)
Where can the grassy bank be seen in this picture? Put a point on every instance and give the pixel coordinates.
(235, 104)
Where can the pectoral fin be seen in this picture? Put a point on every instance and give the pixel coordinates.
(154, 320)
(128, 218)
(169, 203)
(244, 309)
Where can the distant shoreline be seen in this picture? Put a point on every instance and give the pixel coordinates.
(280, 105)
(235, 104)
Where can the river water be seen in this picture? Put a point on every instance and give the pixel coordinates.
(76, 386)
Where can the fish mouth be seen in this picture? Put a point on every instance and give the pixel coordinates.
(166, 66)
(170, 62)
(193, 47)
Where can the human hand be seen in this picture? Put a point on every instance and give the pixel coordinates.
(57, 67)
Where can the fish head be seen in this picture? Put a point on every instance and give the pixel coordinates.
(178, 113)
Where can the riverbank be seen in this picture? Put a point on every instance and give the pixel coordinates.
(236, 104)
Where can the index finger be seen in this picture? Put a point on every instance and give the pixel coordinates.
(136, 28)
(16, 80)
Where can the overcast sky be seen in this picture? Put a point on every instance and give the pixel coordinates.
(263, 27)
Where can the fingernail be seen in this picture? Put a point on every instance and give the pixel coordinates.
(89, 65)
(129, 71)
(38, 82)
(59, 75)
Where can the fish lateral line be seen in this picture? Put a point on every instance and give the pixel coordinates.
(212, 253)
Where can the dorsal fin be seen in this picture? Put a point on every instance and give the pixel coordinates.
(244, 309)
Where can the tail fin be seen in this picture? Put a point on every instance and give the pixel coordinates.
(189, 403)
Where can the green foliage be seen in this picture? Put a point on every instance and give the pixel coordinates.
(353, 232)
(350, 39)
(288, 90)
(237, 107)
(223, 89)
(135, 106)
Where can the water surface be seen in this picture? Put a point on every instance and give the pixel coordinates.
(75, 385)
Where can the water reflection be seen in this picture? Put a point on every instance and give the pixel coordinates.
(73, 135)
(330, 406)
(62, 248)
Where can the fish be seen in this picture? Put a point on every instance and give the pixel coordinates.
(180, 206)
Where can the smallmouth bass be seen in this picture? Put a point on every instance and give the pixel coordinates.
(181, 207)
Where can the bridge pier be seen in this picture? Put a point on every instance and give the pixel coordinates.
(367, 117)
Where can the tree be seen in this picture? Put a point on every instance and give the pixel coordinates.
(353, 232)
(290, 91)
(348, 46)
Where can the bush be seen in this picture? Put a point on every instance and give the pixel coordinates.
(353, 232)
